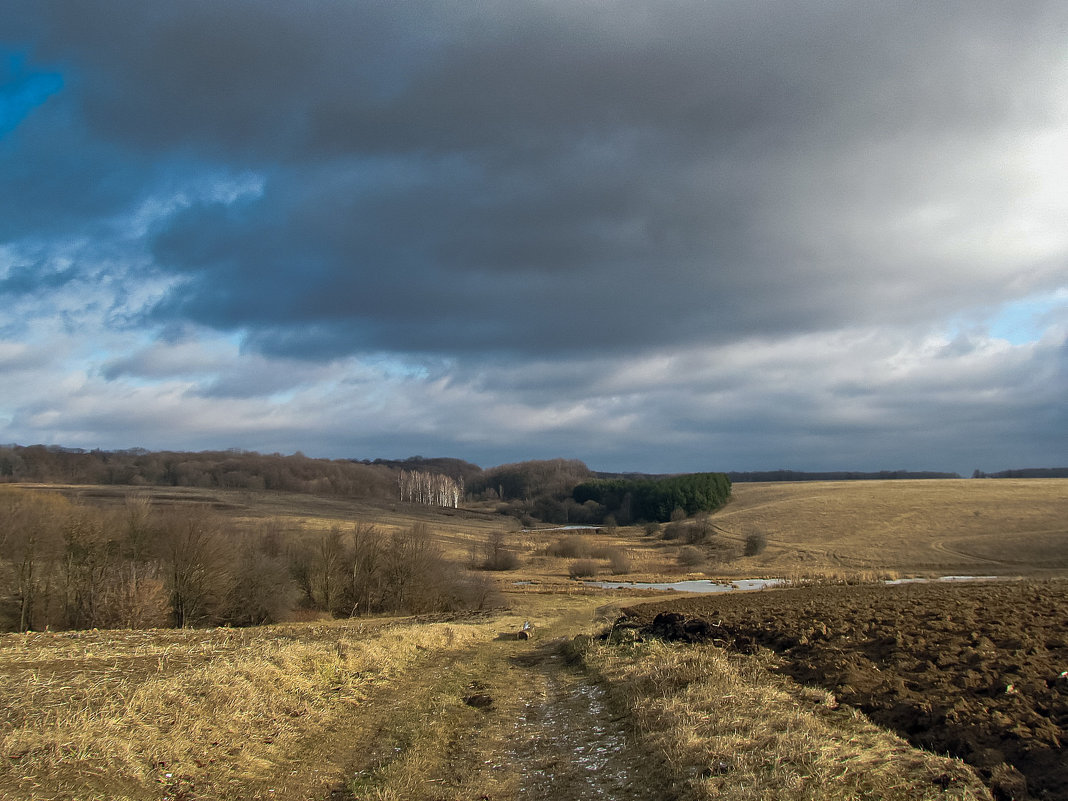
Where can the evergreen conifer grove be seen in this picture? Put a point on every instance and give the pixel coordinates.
(656, 499)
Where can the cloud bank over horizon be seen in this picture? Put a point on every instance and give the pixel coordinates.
(725, 235)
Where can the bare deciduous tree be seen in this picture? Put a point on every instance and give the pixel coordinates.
(196, 562)
(430, 489)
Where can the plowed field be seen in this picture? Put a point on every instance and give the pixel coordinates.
(976, 670)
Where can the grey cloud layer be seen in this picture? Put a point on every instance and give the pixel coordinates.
(656, 236)
(557, 177)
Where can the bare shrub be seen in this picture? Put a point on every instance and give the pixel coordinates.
(583, 568)
(496, 555)
(477, 592)
(652, 529)
(619, 562)
(691, 556)
(676, 529)
(573, 547)
(755, 543)
(365, 557)
(261, 590)
(673, 531)
(31, 550)
(699, 531)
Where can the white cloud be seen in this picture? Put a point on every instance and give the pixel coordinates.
(703, 237)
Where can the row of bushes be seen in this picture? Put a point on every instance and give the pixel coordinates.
(67, 566)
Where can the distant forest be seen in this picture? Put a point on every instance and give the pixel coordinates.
(1031, 472)
(231, 469)
(536, 490)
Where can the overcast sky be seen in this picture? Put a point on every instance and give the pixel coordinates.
(658, 236)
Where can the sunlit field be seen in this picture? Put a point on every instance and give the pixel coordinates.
(459, 705)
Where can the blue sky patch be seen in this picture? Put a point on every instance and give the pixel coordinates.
(1026, 320)
(22, 90)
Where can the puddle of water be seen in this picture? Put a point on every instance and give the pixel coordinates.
(744, 585)
(561, 528)
(942, 578)
(569, 745)
(693, 585)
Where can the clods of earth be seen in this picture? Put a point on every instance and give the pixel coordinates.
(978, 671)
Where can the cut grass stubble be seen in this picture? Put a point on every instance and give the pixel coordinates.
(725, 727)
(230, 708)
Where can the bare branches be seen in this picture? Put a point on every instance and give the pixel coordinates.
(430, 489)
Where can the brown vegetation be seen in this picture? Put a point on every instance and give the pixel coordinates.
(1009, 526)
(976, 670)
(206, 470)
(727, 727)
(186, 714)
(495, 554)
(67, 565)
(376, 709)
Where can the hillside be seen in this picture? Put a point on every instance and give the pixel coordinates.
(456, 705)
(1007, 526)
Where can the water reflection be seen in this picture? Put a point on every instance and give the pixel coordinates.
(743, 585)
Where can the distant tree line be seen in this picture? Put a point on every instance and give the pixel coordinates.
(536, 490)
(649, 499)
(1030, 472)
(526, 480)
(834, 475)
(456, 469)
(231, 469)
(68, 566)
(532, 491)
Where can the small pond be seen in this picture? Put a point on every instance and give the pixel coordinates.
(706, 585)
(695, 585)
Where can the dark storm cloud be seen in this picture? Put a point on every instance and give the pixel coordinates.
(655, 236)
(545, 178)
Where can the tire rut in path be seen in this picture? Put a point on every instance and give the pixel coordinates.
(568, 744)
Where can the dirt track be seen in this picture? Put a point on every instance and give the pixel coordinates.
(978, 670)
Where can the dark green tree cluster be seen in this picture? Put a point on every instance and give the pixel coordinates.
(654, 499)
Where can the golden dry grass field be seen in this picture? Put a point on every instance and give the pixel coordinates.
(1003, 526)
(458, 708)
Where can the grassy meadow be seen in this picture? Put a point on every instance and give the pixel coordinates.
(442, 707)
(967, 526)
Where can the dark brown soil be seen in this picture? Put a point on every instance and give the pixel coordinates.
(978, 670)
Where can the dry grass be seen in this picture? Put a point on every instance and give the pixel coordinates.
(852, 531)
(254, 713)
(376, 710)
(726, 728)
(125, 713)
(919, 527)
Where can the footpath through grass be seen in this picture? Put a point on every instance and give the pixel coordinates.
(430, 710)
